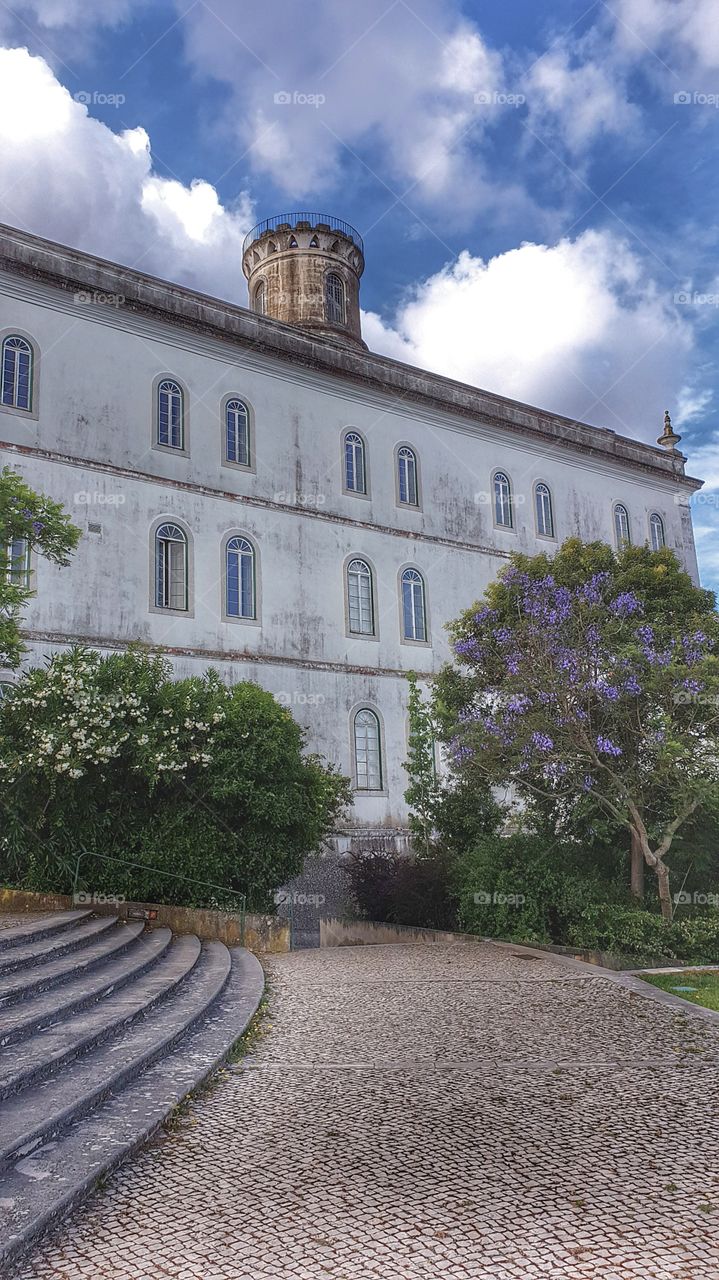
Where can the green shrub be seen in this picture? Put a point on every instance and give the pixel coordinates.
(645, 937)
(525, 888)
(205, 785)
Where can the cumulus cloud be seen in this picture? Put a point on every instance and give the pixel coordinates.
(69, 177)
(579, 327)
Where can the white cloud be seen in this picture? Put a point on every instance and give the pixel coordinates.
(397, 79)
(69, 177)
(579, 327)
(680, 35)
(582, 99)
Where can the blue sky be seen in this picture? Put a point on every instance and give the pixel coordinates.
(536, 184)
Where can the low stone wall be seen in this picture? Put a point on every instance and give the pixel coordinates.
(257, 933)
(357, 933)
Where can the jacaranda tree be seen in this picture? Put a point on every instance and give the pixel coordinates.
(592, 678)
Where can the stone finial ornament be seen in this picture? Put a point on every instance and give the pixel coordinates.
(669, 438)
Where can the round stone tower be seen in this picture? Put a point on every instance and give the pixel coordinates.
(304, 269)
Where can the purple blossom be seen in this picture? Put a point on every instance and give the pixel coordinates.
(484, 613)
(518, 703)
(632, 685)
(607, 748)
(591, 592)
(587, 783)
(512, 662)
(502, 635)
(625, 605)
(542, 742)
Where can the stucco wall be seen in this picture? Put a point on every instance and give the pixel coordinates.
(90, 446)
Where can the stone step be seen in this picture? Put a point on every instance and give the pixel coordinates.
(21, 983)
(32, 953)
(43, 1109)
(95, 981)
(35, 929)
(51, 1050)
(44, 1185)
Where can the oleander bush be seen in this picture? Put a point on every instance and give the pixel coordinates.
(206, 789)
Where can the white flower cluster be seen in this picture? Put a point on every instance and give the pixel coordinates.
(67, 726)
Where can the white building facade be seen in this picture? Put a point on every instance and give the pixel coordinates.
(271, 500)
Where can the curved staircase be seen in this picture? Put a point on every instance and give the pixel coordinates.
(104, 1027)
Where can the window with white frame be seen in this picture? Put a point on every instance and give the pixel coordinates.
(17, 565)
(237, 432)
(334, 298)
(408, 488)
(360, 601)
(17, 359)
(622, 531)
(355, 471)
(170, 415)
(171, 563)
(368, 751)
(503, 501)
(240, 592)
(414, 612)
(657, 535)
(543, 508)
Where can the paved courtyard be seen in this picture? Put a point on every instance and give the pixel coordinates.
(429, 1113)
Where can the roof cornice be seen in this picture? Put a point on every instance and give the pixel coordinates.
(74, 271)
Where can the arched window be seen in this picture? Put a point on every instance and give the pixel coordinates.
(171, 568)
(621, 526)
(368, 751)
(334, 298)
(261, 298)
(656, 532)
(407, 476)
(414, 613)
(17, 564)
(16, 373)
(240, 578)
(355, 477)
(237, 433)
(502, 501)
(360, 602)
(543, 508)
(170, 415)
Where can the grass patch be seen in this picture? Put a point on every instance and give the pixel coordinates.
(705, 985)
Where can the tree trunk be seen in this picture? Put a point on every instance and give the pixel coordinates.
(665, 896)
(637, 873)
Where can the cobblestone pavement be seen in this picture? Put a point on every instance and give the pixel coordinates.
(447, 1112)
